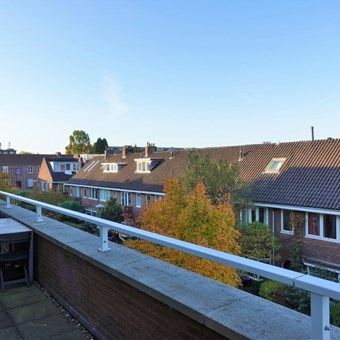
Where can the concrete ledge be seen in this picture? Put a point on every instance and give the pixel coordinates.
(229, 312)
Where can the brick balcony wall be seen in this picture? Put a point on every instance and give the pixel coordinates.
(122, 294)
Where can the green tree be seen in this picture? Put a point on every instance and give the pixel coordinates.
(6, 181)
(190, 216)
(112, 210)
(99, 146)
(258, 242)
(221, 179)
(79, 142)
(296, 223)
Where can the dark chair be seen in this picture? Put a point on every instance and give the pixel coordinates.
(14, 258)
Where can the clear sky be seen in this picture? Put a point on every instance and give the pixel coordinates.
(182, 73)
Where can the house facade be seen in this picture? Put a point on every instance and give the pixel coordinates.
(55, 171)
(284, 177)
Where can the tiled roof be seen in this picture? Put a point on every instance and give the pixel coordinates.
(309, 177)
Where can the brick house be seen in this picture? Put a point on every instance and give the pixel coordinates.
(55, 171)
(295, 176)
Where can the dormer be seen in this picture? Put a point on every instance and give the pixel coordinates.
(146, 165)
(112, 167)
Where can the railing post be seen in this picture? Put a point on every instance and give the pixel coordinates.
(320, 317)
(104, 241)
(8, 202)
(39, 214)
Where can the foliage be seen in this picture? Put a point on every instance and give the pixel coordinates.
(257, 241)
(296, 223)
(297, 299)
(273, 291)
(99, 146)
(221, 179)
(6, 182)
(112, 210)
(50, 197)
(286, 295)
(79, 142)
(72, 205)
(335, 314)
(189, 215)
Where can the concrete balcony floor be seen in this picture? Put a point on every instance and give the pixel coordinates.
(29, 313)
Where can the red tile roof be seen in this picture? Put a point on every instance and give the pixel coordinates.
(309, 177)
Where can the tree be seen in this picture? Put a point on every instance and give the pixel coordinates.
(112, 210)
(79, 142)
(189, 215)
(296, 223)
(258, 242)
(221, 179)
(99, 146)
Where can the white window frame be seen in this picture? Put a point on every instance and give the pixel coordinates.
(93, 195)
(5, 169)
(143, 166)
(30, 169)
(279, 161)
(284, 231)
(138, 200)
(126, 199)
(104, 195)
(30, 183)
(321, 229)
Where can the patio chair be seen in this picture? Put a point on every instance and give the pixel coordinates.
(14, 258)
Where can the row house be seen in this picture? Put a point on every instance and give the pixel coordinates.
(55, 171)
(23, 171)
(284, 177)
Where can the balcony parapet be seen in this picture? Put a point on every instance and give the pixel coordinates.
(154, 297)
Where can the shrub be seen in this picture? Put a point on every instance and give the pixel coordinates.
(273, 291)
(335, 314)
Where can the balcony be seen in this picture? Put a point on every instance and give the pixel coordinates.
(117, 292)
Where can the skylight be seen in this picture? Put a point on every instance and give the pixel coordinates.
(275, 165)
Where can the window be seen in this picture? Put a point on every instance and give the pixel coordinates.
(38, 169)
(91, 166)
(18, 171)
(30, 169)
(138, 200)
(285, 225)
(76, 192)
(143, 166)
(329, 226)
(158, 197)
(125, 199)
(30, 183)
(93, 194)
(110, 167)
(313, 224)
(5, 169)
(275, 165)
(104, 195)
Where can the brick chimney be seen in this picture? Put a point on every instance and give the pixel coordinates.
(149, 149)
(126, 150)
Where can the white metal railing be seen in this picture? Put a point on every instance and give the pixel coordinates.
(321, 290)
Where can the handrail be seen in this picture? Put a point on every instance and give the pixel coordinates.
(321, 290)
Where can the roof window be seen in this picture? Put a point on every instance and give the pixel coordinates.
(275, 165)
(146, 165)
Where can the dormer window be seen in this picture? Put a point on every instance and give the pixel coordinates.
(275, 165)
(143, 165)
(146, 165)
(112, 167)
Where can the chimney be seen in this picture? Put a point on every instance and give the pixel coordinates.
(149, 149)
(126, 150)
(240, 155)
(312, 128)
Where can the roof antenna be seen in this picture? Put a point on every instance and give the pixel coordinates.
(312, 128)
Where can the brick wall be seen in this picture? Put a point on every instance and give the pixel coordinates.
(107, 306)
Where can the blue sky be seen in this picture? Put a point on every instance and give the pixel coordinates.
(171, 72)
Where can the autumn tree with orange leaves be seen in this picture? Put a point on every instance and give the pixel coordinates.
(189, 215)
